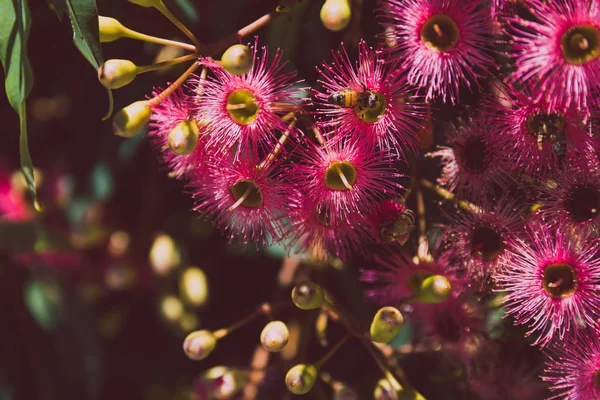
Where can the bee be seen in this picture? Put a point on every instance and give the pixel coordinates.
(551, 128)
(399, 230)
(349, 98)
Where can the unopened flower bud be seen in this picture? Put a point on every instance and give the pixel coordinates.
(128, 121)
(110, 29)
(237, 59)
(386, 324)
(384, 391)
(308, 296)
(199, 344)
(275, 336)
(183, 139)
(336, 14)
(301, 378)
(223, 383)
(434, 289)
(114, 74)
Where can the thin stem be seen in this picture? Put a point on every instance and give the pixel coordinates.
(130, 33)
(167, 92)
(423, 249)
(241, 199)
(235, 37)
(284, 137)
(200, 88)
(330, 353)
(440, 191)
(152, 67)
(165, 11)
(262, 310)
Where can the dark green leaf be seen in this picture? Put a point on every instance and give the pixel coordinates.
(86, 35)
(14, 31)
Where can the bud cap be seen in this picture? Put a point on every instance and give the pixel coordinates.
(199, 344)
(275, 336)
(308, 296)
(115, 74)
(336, 14)
(301, 378)
(386, 324)
(237, 59)
(128, 121)
(110, 29)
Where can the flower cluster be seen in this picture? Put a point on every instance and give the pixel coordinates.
(517, 170)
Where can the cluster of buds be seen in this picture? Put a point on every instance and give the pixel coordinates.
(327, 182)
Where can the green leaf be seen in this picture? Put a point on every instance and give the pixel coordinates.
(14, 31)
(86, 35)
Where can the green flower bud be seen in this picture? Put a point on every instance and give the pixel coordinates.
(308, 296)
(114, 74)
(183, 139)
(336, 14)
(128, 121)
(110, 29)
(237, 59)
(199, 344)
(384, 391)
(193, 286)
(386, 324)
(275, 336)
(301, 378)
(434, 289)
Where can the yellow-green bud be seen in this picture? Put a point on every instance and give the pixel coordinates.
(386, 324)
(384, 391)
(434, 289)
(301, 378)
(336, 14)
(114, 74)
(275, 336)
(193, 286)
(110, 29)
(199, 344)
(128, 121)
(237, 59)
(224, 382)
(148, 3)
(308, 296)
(183, 139)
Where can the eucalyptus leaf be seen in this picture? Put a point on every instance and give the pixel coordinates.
(83, 15)
(14, 31)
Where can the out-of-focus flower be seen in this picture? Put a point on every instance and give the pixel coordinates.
(573, 371)
(534, 138)
(473, 163)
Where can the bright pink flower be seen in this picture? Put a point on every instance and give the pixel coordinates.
(247, 202)
(442, 43)
(392, 275)
(473, 162)
(345, 177)
(560, 50)
(574, 198)
(480, 238)
(246, 109)
(393, 123)
(574, 369)
(534, 138)
(553, 281)
(175, 109)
